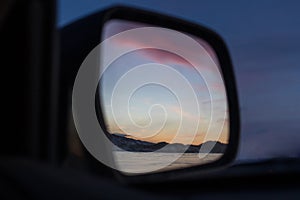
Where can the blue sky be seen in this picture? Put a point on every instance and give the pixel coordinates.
(263, 38)
(173, 87)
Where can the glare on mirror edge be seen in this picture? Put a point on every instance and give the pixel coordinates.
(147, 97)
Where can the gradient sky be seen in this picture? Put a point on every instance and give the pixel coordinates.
(263, 37)
(153, 94)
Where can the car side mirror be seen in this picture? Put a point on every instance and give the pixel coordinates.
(156, 97)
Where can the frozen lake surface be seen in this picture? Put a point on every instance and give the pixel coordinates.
(145, 162)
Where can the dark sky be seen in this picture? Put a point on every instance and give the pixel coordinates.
(264, 41)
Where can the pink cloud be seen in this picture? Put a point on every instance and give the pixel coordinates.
(157, 55)
(164, 57)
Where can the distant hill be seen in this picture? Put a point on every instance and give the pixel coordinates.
(133, 145)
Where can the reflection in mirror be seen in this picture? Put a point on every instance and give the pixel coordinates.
(163, 98)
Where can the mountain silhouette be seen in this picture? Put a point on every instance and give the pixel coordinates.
(123, 142)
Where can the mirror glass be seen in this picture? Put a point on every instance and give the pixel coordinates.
(162, 98)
